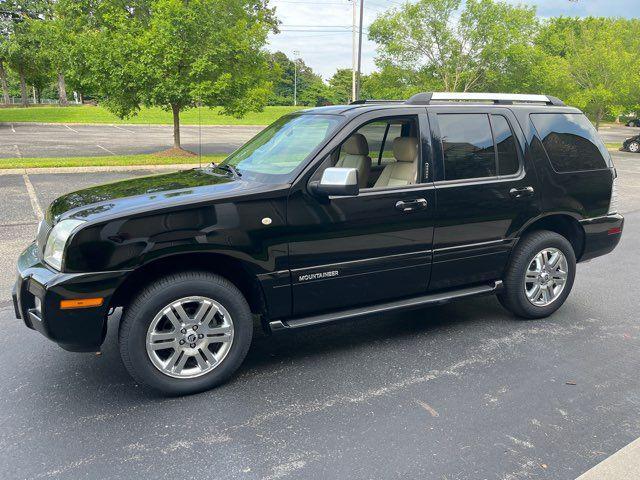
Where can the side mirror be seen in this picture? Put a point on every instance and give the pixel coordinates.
(337, 182)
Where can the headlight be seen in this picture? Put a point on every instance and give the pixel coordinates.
(54, 249)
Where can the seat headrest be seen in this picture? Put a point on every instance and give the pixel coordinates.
(356, 144)
(405, 149)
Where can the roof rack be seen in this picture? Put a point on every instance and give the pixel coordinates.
(496, 98)
(365, 101)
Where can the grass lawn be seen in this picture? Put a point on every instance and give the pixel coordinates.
(89, 114)
(124, 160)
(613, 145)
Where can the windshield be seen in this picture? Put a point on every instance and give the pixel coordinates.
(282, 147)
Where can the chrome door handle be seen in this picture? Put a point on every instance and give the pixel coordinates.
(521, 192)
(411, 206)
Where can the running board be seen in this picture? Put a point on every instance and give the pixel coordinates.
(404, 304)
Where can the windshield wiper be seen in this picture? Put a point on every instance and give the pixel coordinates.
(227, 167)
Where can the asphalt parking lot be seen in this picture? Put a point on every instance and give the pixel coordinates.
(33, 140)
(461, 391)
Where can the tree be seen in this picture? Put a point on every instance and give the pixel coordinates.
(311, 89)
(459, 48)
(594, 62)
(177, 54)
(18, 46)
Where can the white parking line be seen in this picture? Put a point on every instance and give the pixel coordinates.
(624, 464)
(120, 128)
(71, 129)
(13, 128)
(105, 149)
(32, 197)
(18, 152)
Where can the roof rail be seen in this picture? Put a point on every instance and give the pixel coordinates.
(496, 98)
(367, 101)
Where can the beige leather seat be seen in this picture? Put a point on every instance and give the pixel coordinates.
(405, 170)
(356, 150)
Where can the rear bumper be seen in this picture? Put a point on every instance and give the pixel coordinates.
(37, 294)
(602, 235)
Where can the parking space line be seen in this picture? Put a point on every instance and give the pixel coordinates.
(13, 128)
(120, 128)
(71, 129)
(105, 149)
(32, 197)
(18, 152)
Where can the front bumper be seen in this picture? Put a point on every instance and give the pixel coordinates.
(602, 235)
(37, 294)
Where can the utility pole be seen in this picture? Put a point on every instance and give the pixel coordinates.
(296, 53)
(354, 60)
(359, 79)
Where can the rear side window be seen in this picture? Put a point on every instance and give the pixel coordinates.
(467, 144)
(508, 162)
(571, 142)
(477, 145)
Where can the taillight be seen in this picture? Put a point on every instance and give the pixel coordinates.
(613, 204)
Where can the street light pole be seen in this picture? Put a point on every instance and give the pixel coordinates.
(296, 53)
(354, 60)
(359, 82)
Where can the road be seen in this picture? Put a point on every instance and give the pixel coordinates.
(23, 140)
(461, 391)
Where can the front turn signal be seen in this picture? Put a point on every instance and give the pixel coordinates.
(81, 303)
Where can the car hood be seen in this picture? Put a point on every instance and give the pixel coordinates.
(151, 193)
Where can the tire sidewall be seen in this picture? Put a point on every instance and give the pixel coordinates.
(534, 245)
(135, 326)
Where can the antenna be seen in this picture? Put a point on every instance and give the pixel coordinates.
(199, 134)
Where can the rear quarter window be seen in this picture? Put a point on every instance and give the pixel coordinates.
(571, 142)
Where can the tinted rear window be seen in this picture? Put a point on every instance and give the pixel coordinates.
(571, 142)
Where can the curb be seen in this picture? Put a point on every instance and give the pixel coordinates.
(49, 124)
(97, 169)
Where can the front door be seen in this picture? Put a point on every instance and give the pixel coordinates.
(486, 189)
(351, 251)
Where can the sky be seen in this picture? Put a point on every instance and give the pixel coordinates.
(321, 30)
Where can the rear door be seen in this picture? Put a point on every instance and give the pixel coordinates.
(486, 190)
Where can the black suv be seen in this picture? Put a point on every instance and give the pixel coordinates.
(326, 215)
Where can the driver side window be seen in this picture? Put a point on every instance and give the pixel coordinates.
(385, 152)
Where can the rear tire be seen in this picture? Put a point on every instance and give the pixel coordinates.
(634, 147)
(185, 333)
(540, 275)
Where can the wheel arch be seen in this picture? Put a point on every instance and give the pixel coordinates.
(562, 224)
(234, 270)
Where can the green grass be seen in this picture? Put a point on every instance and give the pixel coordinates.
(613, 145)
(89, 114)
(124, 160)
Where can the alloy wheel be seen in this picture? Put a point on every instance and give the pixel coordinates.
(189, 337)
(546, 277)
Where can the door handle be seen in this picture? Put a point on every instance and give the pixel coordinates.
(412, 206)
(521, 192)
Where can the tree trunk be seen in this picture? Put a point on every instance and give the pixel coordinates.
(62, 90)
(5, 86)
(80, 98)
(176, 125)
(23, 89)
(599, 117)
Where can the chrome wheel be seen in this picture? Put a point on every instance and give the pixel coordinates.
(546, 277)
(634, 147)
(189, 337)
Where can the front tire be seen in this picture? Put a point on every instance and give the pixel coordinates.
(185, 333)
(634, 147)
(540, 275)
